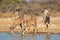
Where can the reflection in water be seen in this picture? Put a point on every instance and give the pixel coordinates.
(16, 36)
(47, 37)
(25, 37)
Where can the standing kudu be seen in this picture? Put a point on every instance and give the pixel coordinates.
(31, 24)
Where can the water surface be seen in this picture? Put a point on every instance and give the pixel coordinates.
(16, 36)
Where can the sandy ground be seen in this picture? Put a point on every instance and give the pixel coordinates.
(54, 26)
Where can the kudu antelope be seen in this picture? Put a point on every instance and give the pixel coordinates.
(18, 20)
(46, 17)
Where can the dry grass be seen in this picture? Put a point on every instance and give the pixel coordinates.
(7, 15)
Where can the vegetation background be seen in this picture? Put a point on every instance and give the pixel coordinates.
(8, 7)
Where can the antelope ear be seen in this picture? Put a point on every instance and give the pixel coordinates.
(17, 9)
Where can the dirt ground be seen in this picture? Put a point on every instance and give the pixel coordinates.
(54, 26)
